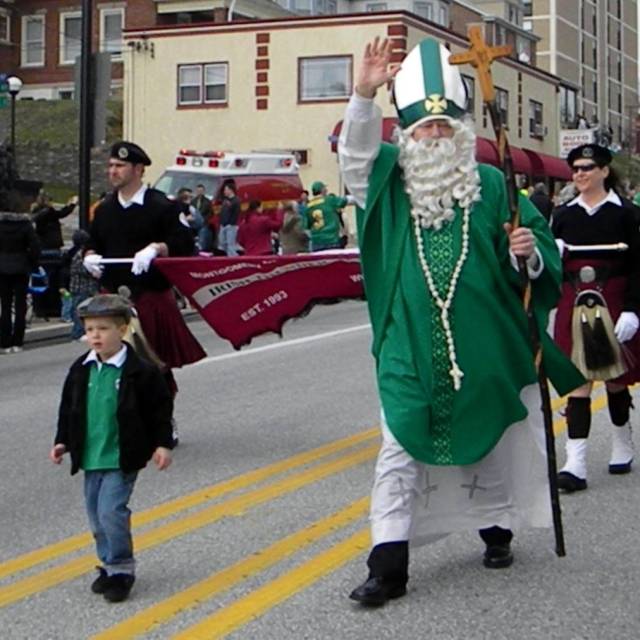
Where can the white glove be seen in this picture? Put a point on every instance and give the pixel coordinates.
(626, 326)
(142, 260)
(561, 245)
(91, 263)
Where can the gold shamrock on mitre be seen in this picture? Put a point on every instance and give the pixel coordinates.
(435, 104)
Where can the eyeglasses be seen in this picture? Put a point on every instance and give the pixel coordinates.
(577, 168)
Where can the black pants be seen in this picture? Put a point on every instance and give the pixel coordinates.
(390, 560)
(13, 297)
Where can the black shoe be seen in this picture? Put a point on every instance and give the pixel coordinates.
(375, 592)
(619, 469)
(498, 556)
(569, 483)
(100, 583)
(118, 587)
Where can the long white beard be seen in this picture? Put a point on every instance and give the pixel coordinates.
(440, 172)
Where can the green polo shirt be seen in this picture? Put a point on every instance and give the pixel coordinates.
(102, 443)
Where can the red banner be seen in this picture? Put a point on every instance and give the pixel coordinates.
(244, 297)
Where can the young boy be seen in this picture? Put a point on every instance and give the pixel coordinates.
(115, 415)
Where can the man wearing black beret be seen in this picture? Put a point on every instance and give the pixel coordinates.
(597, 319)
(136, 220)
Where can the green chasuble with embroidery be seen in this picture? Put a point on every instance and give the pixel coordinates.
(432, 421)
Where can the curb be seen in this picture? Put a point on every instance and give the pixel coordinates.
(56, 330)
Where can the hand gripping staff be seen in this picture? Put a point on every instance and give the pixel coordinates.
(480, 56)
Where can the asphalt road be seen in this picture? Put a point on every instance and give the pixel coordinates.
(259, 529)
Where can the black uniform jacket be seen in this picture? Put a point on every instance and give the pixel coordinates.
(117, 232)
(611, 224)
(144, 412)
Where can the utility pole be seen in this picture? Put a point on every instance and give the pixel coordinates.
(86, 114)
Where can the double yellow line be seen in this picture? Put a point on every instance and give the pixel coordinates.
(190, 521)
(257, 602)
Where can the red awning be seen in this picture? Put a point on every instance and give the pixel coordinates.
(549, 166)
(525, 161)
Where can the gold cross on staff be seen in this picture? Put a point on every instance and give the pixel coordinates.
(480, 56)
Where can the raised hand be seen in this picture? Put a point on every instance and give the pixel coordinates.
(375, 69)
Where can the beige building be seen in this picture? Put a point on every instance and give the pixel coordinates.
(284, 83)
(594, 44)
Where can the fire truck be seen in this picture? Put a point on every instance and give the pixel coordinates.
(271, 178)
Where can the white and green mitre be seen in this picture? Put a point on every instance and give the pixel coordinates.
(428, 87)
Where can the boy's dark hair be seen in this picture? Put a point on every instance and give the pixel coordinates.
(254, 205)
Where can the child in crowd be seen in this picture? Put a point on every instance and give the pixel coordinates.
(82, 284)
(114, 416)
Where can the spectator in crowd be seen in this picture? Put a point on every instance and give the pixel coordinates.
(294, 238)
(19, 252)
(190, 214)
(47, 220)
(229, 218)
(82, 284)
(254, 234)
(203, 206)
(541, 200)
(323, 218)
(302, 203)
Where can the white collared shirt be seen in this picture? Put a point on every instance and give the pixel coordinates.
(116, 360)
(136, 198)
(612, 196)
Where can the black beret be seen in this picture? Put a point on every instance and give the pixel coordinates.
(130, 152)
(105, 305)
(600, 155)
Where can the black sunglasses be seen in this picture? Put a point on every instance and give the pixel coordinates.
(576, 168)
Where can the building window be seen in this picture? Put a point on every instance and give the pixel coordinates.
(568, 107)
(470, 86)
(111, 23)
(372, 7)
(514, 15)
(423, 9)
(202, 83)
(502, 100)
(536, 125)
(32, 41)
(324, 78)
(5, 26)
(444, 18)
(70, 37)
(501, 35)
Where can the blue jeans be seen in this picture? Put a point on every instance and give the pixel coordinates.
(77, 331)
(106, 495)
(227, 239)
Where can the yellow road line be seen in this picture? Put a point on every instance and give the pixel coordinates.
(261, 600)
(74, 543)
(223, 580)
(232, 507)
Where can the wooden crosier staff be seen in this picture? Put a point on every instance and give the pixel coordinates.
(480, 56)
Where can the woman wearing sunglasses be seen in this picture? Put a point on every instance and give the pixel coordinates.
(597, 320)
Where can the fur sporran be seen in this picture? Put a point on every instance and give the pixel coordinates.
(595, 350)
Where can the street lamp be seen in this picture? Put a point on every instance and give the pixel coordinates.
(15, 84)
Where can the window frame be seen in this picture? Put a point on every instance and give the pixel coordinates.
(62, 38)
(328, 99)
(374, 7)
(536, 108)
(41, 18)
(201, 102)
(111, 11)
(7, 36)
(470, 86)
(504, 111)
(428, 6)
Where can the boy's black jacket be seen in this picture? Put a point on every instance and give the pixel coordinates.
(144, 412)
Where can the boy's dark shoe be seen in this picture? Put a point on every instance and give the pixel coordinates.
(100, 583)
(498, 556)
(118, 587)
(376, 591)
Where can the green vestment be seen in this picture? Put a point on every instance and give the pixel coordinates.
(432, 421)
